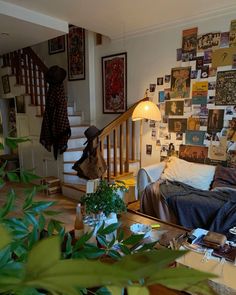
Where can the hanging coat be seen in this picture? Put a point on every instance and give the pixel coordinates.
(55, 130)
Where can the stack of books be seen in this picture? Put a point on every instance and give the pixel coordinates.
(53, 185)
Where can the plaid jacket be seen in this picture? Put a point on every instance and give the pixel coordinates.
(55, 130)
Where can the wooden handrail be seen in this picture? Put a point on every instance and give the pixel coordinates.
(120, 119)
(29, 71)
(125, 138)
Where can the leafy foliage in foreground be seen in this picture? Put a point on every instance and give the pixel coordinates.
(35, 262)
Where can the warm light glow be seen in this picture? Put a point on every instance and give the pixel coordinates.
(146, 110)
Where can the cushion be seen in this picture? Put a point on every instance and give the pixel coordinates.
(224, 177)
(196, 175)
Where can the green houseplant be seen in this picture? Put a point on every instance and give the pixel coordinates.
(35, 263)
(105, 199)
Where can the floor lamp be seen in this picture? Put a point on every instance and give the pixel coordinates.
(145, 110)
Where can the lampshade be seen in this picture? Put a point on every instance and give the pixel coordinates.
(146, 110)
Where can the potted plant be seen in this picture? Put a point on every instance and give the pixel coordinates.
(107, 199)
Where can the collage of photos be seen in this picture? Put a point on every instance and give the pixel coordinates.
(197, 99)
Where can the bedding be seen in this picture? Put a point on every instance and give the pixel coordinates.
(179, 203)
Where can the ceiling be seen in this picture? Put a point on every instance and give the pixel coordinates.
(28, 22)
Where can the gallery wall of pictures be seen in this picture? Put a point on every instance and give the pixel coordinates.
(197, 100)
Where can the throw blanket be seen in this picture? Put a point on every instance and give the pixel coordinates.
(55, 130)
(182, 204)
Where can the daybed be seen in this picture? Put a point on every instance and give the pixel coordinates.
(189, 194)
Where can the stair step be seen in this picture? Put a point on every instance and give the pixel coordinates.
(121, 176)
(76, 142)
(78, 130)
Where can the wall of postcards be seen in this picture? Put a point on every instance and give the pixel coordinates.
(197, 100)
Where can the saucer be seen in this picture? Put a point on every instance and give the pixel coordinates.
(141, 229)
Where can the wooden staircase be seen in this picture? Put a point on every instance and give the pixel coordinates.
(117, 140)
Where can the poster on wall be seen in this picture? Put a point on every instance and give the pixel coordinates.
(114, 81)
(215, 120)
(193, 153)
(56, 45)
(225, 88)
(199, 92)
(189, 43)
(174, 108)
(76, 53)
(194, 137)
(232, 34)
(177, 125)
(180, 82)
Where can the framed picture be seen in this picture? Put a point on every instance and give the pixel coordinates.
(56, 45)
(20, 104)
(76, 53)
(6, 84)
(114, 83)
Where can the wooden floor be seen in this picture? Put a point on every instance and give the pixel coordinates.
(63, 204)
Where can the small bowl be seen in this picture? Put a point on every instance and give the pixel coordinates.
(141, 229)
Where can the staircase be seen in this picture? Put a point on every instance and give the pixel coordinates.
(117, 140)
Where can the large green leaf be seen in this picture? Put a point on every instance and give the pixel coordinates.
(147, 263)
(5, 237)
(13, 176)
(11, 196)
(45, 254)
(137, 290)
(178, 278)
(1, 146)
(27, 176)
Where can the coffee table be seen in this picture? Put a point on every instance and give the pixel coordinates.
(165, 232)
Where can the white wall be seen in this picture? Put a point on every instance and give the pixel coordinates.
(148, 57)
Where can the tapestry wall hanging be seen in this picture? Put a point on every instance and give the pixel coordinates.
(76, 53)
(114, 82)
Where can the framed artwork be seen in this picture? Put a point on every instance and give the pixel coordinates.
(6, 84)
(56, 45)
(174, 108)
(114, 83)
(76, 53)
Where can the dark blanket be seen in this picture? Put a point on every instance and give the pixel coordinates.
(192, 208)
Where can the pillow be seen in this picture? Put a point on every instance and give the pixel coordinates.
(224, 177)
(196, 175)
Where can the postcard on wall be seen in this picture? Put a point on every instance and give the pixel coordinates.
(189, 42)
(208, 41)
(222, 57)
(174, 108)
(199, 62)
(225, 88)
(178, 54)
(234, 61)
(224, 39)
(193, 153)
(194, 137)
(160, 81)
(232, 34)
(167, 92)
(212, 72)
(215, 120)
(218, 152)
(199, 92)
(177, 125)
(167, 79)
(148, 149)
(193, 123)
(152, 87)
(180, 82)
(231, 132)
(207, 56)
(161, 96)
(205, 71)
